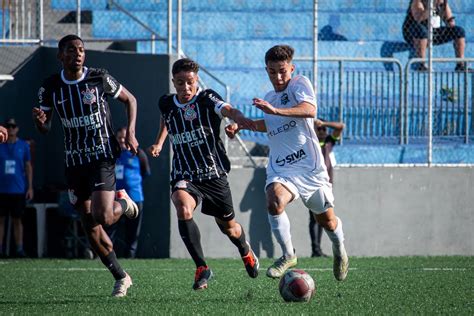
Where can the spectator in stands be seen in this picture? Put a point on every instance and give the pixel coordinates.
(129, 171)
(296, 166)
(415, 30)
(16, 184)
(191, 120)
(327, 142)
(78, 95)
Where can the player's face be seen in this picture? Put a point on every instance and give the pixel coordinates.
(12, 130)
(279, 73)
(186, 85)
(73, 55)
(121, 138)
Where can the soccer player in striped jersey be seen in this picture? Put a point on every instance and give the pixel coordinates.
(192, 119)
(79, 97)
(296, 165)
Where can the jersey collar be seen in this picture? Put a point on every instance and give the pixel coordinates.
(181, 105)
(84, 72)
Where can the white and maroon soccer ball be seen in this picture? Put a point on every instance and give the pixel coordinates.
(297, 286)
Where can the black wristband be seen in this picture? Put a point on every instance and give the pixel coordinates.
(450, 19)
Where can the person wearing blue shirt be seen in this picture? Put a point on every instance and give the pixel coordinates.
(16, 184)
(129, 171)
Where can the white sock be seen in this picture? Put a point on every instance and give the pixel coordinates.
(281, 230)
(337, 237)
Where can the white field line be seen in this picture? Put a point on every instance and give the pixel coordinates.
(73, 269)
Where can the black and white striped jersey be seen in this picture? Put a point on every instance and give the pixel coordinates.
(193, 129)
(84, 113)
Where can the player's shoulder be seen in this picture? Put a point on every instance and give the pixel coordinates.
(165, 101)
(299, 80)
(97, 72)
(210, 95)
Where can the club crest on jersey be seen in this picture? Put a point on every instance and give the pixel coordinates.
(189, 112)
(284, 98)
(89, 96)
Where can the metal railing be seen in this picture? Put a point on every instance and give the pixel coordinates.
(368, 99)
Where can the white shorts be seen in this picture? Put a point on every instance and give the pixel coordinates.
(315, 192)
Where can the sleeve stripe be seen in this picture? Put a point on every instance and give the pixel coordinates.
(116, 95)
(45, 108)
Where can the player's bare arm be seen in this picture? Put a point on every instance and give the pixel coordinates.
(42, 119)
(302, 110)
(233, 128)
(131, 106)
(156, 148)
(238, 117)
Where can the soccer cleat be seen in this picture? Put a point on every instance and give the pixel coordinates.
(279, 267)
(201, 277)
(132, 207)
(341, 264)
(251, 263)
(121, 286)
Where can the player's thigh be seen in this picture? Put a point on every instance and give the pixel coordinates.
(278, 197)
(184, 202)
(102, 202)
(320, 200)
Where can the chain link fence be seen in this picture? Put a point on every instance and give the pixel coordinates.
(365, 74)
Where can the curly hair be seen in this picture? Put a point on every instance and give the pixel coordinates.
(279, 53)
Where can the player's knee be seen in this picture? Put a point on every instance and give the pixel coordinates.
(104, 218)
(329, 223)
(184, 213)
(275, 206)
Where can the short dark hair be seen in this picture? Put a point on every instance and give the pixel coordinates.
(279, 53)
(185, 64)
(63, 41)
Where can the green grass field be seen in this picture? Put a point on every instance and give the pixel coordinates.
(402, 285)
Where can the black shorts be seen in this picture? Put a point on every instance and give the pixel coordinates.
(214, 195)
(85, 179)
(12, 204)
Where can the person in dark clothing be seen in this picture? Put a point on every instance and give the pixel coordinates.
(78, 95)
(327, 142)
(415, 30)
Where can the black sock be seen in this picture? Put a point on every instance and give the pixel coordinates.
(191, 237)
(110, 261)
(123, 204)
(241, 243)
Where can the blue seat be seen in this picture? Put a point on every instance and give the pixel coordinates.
(72, 4)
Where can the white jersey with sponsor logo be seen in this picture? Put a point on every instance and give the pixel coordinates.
(294, 146)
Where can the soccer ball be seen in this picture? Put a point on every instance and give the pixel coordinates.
(297, 286)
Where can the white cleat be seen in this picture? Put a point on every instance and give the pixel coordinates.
(132, 207)
(121, 286)
(341, 263)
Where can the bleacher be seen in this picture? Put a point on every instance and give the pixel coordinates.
(230, 37)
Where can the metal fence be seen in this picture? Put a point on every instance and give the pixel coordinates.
(380, 100)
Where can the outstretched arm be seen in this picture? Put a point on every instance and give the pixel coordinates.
(130, 102)
(238, 117)
(302, 110)
(156, 148)
(232, 129)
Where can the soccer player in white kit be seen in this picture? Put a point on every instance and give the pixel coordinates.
(296, 166)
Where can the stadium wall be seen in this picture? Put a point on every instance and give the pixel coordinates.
(385, 211)
(146, 77)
